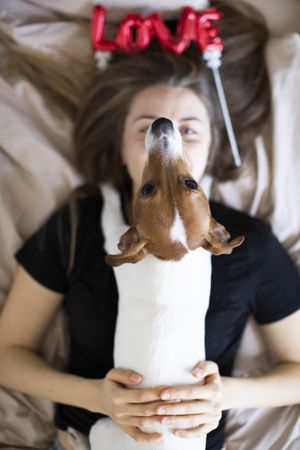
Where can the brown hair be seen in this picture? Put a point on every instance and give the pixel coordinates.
(101, 101)
(100, 121)
(100, 110)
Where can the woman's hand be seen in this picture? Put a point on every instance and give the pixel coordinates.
(131, 409)
(200, 407)
(196, 408)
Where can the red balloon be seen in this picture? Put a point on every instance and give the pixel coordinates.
(176, 44)
(125, 40)
(186, 28)
(192, 26)
(97, 31)
(206, 34)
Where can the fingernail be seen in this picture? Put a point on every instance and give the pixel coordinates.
(165, 395)
(198, 372)
(134, 377)
(165, 421)
(161, 410)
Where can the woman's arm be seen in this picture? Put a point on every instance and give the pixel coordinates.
(281, 385)
(200, 408)
(27, 314)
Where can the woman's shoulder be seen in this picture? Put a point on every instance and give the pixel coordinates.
(72, 220)
(238, 222)
(70, 231)
(85, 201)
(261, 246)
(265, 255)
(78, 212)
(274, 278)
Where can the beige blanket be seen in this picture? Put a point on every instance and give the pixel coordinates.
(36, 174)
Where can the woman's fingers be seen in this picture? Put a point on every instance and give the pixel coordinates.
(207, 371)
(140, 410)
(185, 408)
(182, 415)
(124, 376)
(210, 391)
(202, 430)
(187, 422)
(139, 436)
(174, 422)
(205, 368)
(163, 408)
(143, 395)
(189, 411)
(191, 421)
(143, 422)
(129, 377)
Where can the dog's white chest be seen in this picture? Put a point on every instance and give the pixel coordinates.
(160, 325)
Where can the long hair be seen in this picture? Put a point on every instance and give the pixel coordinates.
(101, 116)
(99, 102)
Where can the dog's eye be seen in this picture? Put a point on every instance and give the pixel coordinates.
(190, 183)
(147, 189)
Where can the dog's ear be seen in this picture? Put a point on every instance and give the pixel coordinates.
(216, 241)
(133, 249)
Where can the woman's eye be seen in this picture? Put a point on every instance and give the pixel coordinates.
(190, 184)
(147, 189)
(187, 131)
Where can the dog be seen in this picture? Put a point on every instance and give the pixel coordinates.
(164, 298)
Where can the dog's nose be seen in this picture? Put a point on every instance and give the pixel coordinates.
(162, 125)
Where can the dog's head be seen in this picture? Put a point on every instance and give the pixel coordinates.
(171, 213)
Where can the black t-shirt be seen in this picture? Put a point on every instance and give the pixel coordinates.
(257, 279)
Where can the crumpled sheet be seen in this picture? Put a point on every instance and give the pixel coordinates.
(36, 175)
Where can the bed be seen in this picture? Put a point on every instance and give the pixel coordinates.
(37, 173)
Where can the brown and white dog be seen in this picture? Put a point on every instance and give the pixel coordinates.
(164, 298)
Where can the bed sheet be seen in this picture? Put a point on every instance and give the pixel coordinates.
(36, 175)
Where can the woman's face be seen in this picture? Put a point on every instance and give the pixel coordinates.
(187, 112)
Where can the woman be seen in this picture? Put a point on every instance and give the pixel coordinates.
(63, 264)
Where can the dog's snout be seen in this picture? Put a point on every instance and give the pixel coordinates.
(162, 125)
(163, 136)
